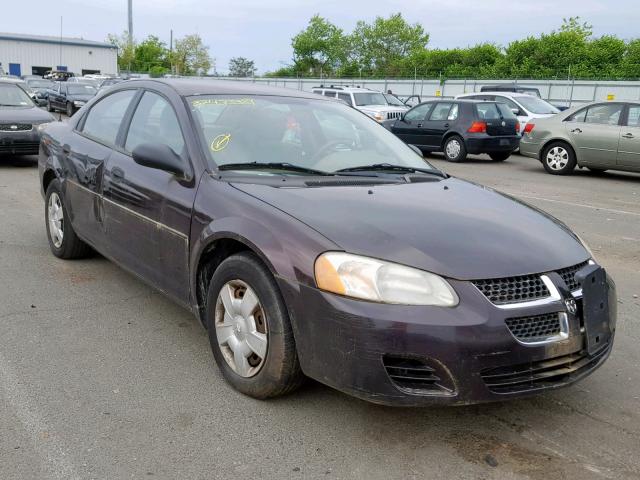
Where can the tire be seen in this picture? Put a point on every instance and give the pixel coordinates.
(559, 158)
(597, 171)
(499, 156)
(57, 224)
(49, 107)
(455, 149)
(69, 109)
(260, 375)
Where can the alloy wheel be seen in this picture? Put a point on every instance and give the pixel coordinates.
(453, 148)
(557, 158)
(55, 215)
(241, 328)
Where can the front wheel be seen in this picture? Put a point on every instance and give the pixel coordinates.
(455, 149)
(69, 109)
(499, 156)
(63, 241)
(559, 159)
(249, 329)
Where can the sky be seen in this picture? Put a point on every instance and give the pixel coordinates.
(261, 30)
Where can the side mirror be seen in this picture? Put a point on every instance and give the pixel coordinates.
(158, 156)
(515, 111)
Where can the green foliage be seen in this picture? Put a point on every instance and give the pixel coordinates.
(319, 48)
(151, 54)
(241, 67)
(190, 56)
(126, 50)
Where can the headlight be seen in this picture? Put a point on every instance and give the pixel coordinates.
(78, 103)
(42, 126)
(379, 281)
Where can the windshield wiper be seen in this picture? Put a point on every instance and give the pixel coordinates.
(272, 166)
(387, 167)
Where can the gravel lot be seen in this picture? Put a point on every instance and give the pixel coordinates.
(102, 377)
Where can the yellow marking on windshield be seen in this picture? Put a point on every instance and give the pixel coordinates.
(223, 101)
(220, 142)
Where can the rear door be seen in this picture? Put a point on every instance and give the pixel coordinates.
(438, 123)
(595, 131)
(499, 119)
(409, 127)
(518, 110)
(148, 211)
(629, 146)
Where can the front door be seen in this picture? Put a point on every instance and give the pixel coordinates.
(629, 146)
(408, 128)
(438, 123)
(148, 211)
(86, 160)
(595, 131)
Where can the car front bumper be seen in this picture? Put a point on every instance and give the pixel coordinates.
(20, 143)
(374, 351)
(491, 144)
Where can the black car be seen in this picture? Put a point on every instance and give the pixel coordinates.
(311, 241)
(459, 127)
(70, 96)
(20, 120)
(41, 88)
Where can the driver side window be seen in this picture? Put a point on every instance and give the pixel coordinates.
(418, 113)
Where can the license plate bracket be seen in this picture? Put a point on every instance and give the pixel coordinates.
(504, 141)
(595, 306)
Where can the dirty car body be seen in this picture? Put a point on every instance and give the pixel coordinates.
(504, 313)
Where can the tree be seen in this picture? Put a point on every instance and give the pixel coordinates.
(319, 48)
(191, 57)
(151, 54)
(241, 67)
(573, 25)
(126, 50)
(381, 46)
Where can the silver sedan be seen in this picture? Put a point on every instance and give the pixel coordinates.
(600, 136)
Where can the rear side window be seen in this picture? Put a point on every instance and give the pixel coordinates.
(328, 93)
(154, 122)
(453, 113)
(505, 110)
(346, 97)
(578, 116)
(440, 111)
(105, 117)
(634, 116)
(488, 111)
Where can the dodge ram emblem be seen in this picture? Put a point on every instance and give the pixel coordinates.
(571, 305)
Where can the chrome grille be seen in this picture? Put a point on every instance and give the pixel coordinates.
(502, 291)
(568, 275)
(392, 115)
(15, 127)
(534, 328)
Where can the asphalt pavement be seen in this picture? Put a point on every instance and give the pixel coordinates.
(102, 377)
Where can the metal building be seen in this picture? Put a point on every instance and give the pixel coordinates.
(34, 55)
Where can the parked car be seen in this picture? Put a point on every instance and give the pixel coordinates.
(58, 75)
(70, 96)
(459, 127)
(600, 136)
(311, 241)
(525, 107)
(511, 87)
(411, 100)
(375, 104)
(40, 88)
(20, 120)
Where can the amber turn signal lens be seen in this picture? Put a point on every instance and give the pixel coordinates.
(327, 277)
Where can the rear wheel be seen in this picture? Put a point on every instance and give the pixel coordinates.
(249, 329)
(559, 159)
(499, 156)
(63, 241)
(455, 149)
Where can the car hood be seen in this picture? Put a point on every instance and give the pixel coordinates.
(451, 227)
(30, 114)
(81, 98)
(382, 108)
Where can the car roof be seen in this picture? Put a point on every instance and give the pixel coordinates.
(345, 88)
(499, 92)
(11, 80)
(203, 86)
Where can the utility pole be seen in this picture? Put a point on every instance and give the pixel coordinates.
(60, 64)
(171, 51)
(130, 23)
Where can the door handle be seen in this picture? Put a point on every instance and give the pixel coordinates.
(419, 125)
(627, 135)
(576, 130)
(117, 173)
(446, 125)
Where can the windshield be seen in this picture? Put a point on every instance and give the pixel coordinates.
(393, 100)
(40, 83)
(13, 96)
(536, 105)
(369, 98)
(80, 89)
(312, 134)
